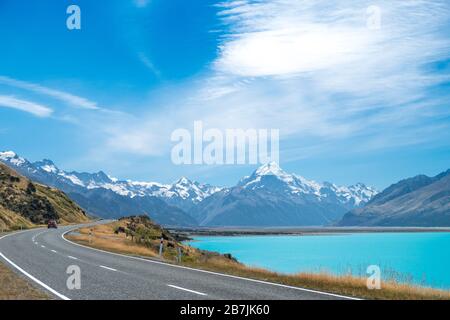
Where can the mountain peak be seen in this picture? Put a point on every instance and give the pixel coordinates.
(8, 154)
(443, 174)
(12, 158)
(103, 175)
(183, 181)
(46, 165)
(270, 168)
(269, 171)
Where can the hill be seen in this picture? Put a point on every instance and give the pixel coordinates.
(419, 201)
(24, 203)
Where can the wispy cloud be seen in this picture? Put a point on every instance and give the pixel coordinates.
(26, 106)
(73, 100)
(149, 64)
(315, 71)
(286, 37)
(318, 70)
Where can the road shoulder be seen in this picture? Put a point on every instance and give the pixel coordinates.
(14, 287)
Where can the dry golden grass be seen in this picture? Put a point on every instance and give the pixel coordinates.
(103, 237)
(344, 285)
(15, 288)
(11, 221)
(68, 211)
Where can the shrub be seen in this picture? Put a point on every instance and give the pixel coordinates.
(31, 188)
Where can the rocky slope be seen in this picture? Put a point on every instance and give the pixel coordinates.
(419, 201)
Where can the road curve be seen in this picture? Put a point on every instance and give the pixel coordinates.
(44, 256)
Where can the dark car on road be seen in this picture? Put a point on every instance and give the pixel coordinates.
(52, 224)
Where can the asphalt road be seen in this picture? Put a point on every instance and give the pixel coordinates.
(44, 256)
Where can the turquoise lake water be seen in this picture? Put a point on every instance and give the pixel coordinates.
(420, 258)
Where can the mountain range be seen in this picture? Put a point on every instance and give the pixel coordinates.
(268, 197)
(418, 201)
(272, 197)
(99, 194)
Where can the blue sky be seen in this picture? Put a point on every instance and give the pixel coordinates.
(352, 103)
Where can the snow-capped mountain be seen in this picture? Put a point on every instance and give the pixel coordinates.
(12, 158)
(269, 197)
(263, 177)
(182, 193)
(272, 197)
(186, 193)
(104, 196)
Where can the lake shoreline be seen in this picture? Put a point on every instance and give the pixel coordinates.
(341, 253)
(186, 233)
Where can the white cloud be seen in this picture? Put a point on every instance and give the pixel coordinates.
(140, 139)
(27, 106)
(290, 50)
(149, 64)
(66, 97)
(315, 71)
(282, 37)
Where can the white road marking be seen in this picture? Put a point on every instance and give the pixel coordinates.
(73, 258)
(210, 272)
(161, 263)
(188, 290)
(37, 235)
(54, 251)
(14, 233)
(108, 268)
(42, 246)
(61, 296)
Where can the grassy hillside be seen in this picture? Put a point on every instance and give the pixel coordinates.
(141, 237)
(11, 221)
(24, 204)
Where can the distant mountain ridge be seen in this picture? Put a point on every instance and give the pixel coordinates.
(184, 189)
(100, 194)
(420, 201)
(268, 197)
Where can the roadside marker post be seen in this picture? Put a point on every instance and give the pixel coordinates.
(161, 246)
(179, 254)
